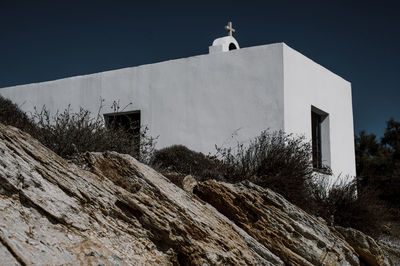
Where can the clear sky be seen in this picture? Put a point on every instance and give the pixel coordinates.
(358, 40)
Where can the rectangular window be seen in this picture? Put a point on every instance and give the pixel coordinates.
(316, 140)
(320, 139)
(129, 122)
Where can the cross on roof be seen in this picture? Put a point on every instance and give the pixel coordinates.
(229, 28)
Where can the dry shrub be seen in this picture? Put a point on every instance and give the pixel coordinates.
(282, 162)
(69, 133)
(342, 203)
(279, 161)
(180, 159)
(11, 114)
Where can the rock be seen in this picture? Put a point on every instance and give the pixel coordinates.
(188, 183)
(119, 212)
(174, 177)
(290, 233)
(370, 252)
(392, 254)
(109, 209)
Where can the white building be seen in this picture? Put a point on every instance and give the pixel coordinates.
(201, 101)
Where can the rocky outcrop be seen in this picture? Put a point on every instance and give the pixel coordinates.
(54, 212)
(290, 233)
(189, 183)
(370, 252)
(390, 245)
(107, 208)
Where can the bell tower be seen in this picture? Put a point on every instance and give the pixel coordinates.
(226, 43)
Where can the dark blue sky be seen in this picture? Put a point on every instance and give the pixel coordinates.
(358, 40)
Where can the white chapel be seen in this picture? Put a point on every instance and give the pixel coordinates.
(204, 100)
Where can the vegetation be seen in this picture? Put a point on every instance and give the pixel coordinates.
(378, 163)
(11, 114)
(70, 133)
(180, 159)
(342, 204)
(274, 160)
(282, 163)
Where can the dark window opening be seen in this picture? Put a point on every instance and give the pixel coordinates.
(127, 121)
(232, 46)
(316, 121)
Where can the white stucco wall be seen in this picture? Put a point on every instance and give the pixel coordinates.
(201, 101)
(198, 101)
(308, 84)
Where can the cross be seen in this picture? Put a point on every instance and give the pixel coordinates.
(229, 28)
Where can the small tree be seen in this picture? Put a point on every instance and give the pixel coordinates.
(378, 163)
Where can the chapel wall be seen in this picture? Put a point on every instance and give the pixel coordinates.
(197, 101)
(309, 84)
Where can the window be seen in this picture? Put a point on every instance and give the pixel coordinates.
(320, 139)
(316, 140)
(128, 121)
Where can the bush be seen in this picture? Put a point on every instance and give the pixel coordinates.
(70, 133)
(11, 114)
(344, 204)
(180, 159)
(282, 163)
(275, 160)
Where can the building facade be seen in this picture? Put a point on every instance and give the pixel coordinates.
(230, 94)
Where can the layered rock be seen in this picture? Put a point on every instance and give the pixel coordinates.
(295, 236)
(107, 208)
(370, 252)
(123, 212)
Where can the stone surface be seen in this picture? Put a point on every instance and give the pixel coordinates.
(188, 183)
(391, 244)
(290, 233)
(109, 209)
(370, 252)
(122, 212)
(6, 258)
(392, 254)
